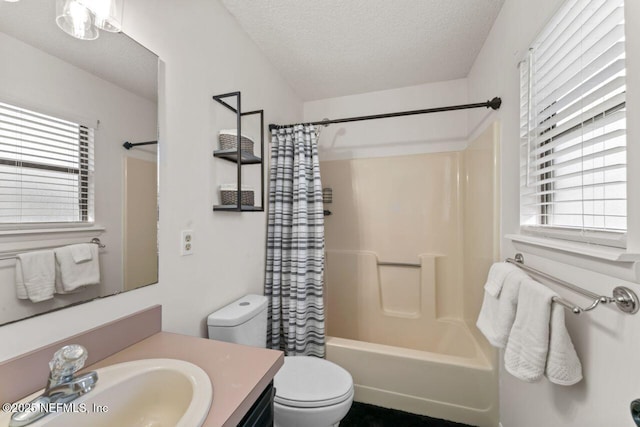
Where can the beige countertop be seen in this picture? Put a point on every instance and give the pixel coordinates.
(238, 373)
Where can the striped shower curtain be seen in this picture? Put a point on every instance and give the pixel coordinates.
(295, 244)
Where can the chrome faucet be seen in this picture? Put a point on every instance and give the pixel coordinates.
(62, 386)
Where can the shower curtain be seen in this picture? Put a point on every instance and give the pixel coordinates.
(295, 244)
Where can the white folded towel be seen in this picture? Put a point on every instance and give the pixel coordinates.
(76, 275)
(35, 275)
(496, 277)
(81, 252)
(21, 291)
(525, 356)
(498, 313)
(60, 289)
(563, 364)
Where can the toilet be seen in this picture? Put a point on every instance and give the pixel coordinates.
(310, 391)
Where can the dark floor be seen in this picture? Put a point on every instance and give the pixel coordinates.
(364, 415)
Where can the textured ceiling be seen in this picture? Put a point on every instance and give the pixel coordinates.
(112, 57)
(333, 48)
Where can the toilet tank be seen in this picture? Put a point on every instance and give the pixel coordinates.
(242, 322)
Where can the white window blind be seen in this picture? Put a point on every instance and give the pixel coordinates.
(46, 169)
(573, 125)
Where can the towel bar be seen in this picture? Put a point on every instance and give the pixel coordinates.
(625, 299)
(95, 241)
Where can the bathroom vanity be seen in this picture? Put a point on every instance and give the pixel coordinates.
(241, 376)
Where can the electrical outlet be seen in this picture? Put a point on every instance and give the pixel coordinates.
(186, 243)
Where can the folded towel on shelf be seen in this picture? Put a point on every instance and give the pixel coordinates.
(81, 252)
(75, 275)
(526, 353)
(35, 275)
(563, 364)
(498, 312)
(496, 277)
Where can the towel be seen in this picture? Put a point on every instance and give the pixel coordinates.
(496, 277)
(76, 275)
(498, 313)
(563, 365)
(525, 356)
(35, 275)
(81, 252)
(60, 289)
(21, 291)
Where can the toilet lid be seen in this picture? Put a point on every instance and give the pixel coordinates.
(306, 381)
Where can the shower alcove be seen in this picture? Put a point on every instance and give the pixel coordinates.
(408, 248)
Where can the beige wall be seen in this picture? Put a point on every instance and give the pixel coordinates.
(140, 239)
(400, 208)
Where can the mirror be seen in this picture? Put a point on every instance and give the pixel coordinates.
(106, 88)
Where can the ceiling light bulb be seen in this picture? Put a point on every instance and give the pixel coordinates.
(108, 14)
(75, 19)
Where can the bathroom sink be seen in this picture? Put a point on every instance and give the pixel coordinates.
(142, 393)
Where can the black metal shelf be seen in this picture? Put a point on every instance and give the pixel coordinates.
(232, 156)
(240, 157)
(234, 208)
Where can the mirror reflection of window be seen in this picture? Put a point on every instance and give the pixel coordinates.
(46, 169)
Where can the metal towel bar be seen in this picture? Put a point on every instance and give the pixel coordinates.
(625, 299)
(95, 241)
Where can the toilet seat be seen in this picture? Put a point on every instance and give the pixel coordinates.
(311, 382)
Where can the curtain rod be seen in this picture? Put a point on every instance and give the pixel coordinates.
(128, 145)
(494, 104)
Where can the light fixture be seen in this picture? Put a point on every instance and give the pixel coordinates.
(107, 13)
(82, 18)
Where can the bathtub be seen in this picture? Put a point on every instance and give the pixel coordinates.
(400, 353)
(454, 384)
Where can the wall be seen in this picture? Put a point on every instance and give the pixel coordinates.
(604, 338)
(396, 136)
(46, 84)
(203, 53)
(397, 209)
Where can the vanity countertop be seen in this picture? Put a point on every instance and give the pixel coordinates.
(238, 373)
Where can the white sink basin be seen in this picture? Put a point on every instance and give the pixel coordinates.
(142, 393)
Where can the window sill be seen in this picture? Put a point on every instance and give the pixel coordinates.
(611, 261)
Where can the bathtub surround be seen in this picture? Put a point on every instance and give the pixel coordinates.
(295, 244)
(402, 264)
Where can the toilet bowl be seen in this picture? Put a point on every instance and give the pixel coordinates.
(310, 392)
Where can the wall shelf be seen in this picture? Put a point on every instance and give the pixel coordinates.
(240, 157)
(232, 156)
(234, 208)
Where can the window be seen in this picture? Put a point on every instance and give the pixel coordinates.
(46, 169)
(573, 125)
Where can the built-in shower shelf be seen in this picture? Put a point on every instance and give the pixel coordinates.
(232, 156)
